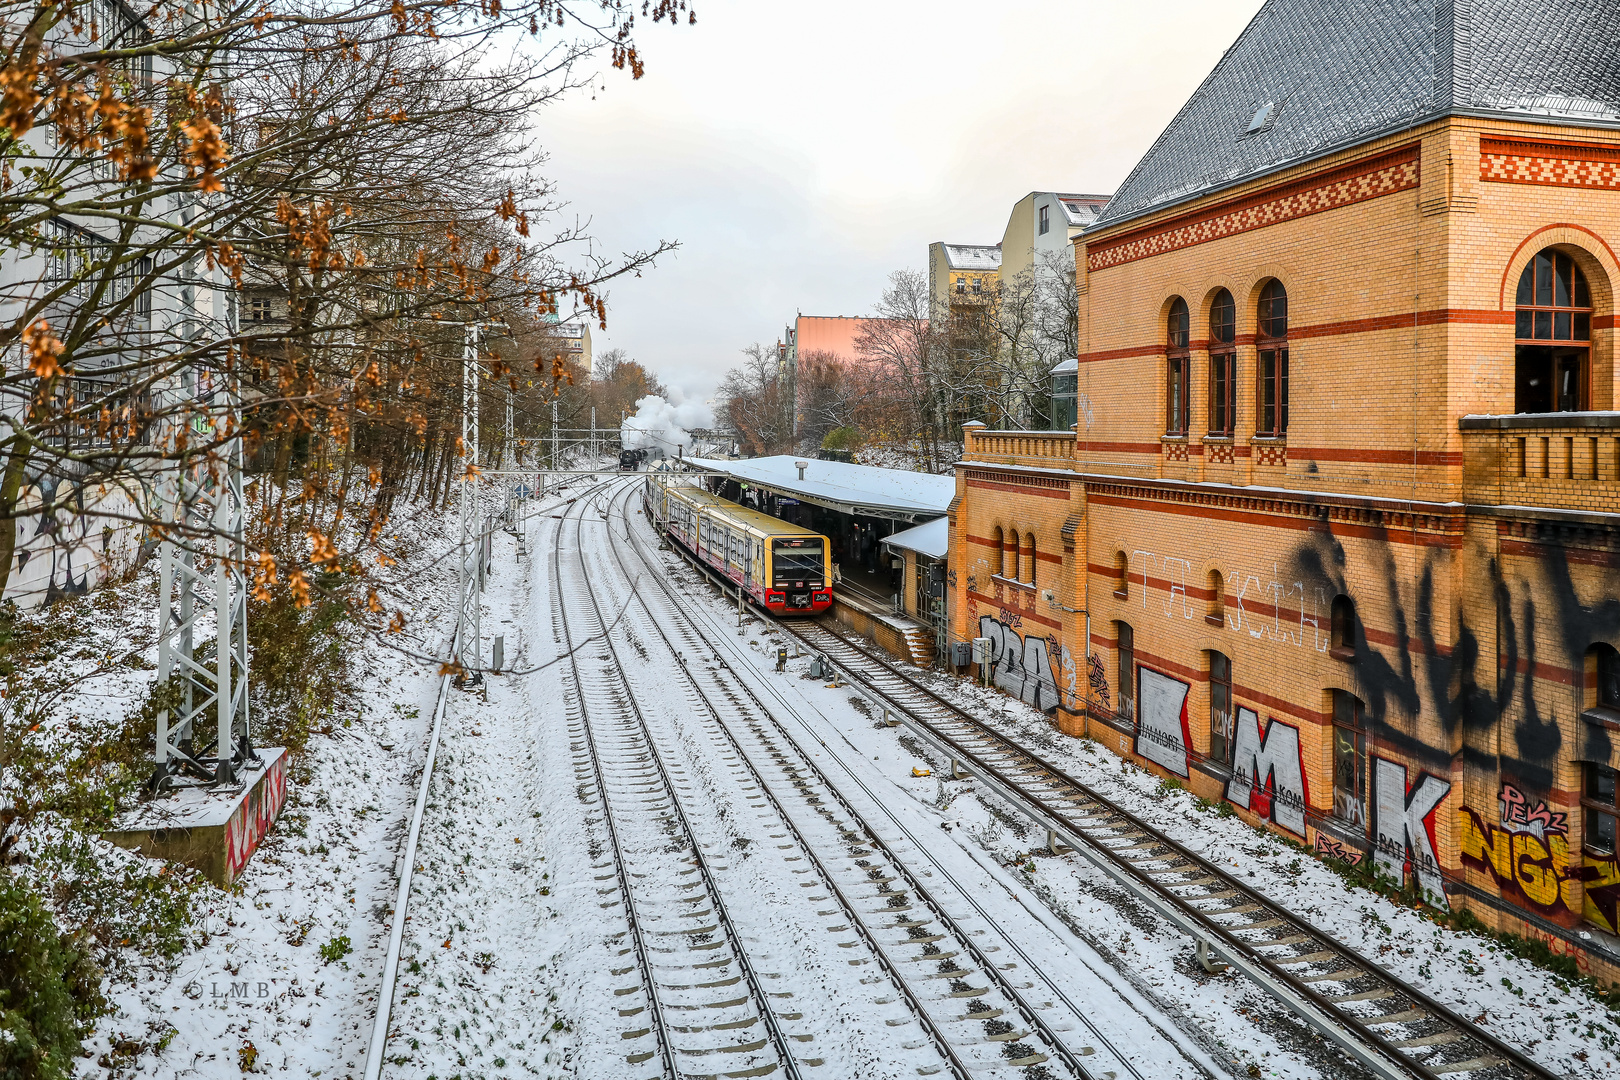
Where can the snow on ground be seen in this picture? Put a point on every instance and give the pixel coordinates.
(1559, 1024)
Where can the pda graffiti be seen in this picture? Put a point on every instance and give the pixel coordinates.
(1020, 665)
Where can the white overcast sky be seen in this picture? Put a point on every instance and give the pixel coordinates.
(800, 152)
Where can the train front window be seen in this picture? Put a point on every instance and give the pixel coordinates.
(796, 561)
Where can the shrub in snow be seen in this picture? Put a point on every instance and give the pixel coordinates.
(49, 988)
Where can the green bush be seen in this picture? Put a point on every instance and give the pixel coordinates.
(299, 674)
(336, 949)
(49, 989)
(842, 438)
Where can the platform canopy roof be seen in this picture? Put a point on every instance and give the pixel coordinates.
(848, 489)
(931, 538)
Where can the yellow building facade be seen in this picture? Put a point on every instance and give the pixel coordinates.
(1336, 538)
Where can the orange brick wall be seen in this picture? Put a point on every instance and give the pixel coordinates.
(1474, 617)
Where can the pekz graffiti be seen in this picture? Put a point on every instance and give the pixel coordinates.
(254, 816)
(1527, 855)
(1403, 827)
(1161, 731)
(1268, 773)
(1023, 665)
(1334, 848)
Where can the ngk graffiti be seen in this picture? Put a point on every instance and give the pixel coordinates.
(1519, 816)
(1403, 826)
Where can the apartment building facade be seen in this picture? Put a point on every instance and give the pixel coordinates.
(1336, 536)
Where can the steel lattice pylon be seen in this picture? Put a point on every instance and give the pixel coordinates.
(206, 543)
(470, 553)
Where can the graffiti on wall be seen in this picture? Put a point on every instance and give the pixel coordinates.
(1331, 846)
(1022, 665)
(1403, 826)
(1521, 816)
(1268, 772)
(1161, 732)
(71, 537)
(1527, 854)
(253, 818)
(1269, 608)
(1098, 677)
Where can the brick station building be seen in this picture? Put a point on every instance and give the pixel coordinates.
(1337, 536)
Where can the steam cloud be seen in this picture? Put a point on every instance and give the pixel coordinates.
(661, 425)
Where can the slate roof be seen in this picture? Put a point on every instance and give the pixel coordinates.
(973, 256)
(1343, 72)
(1081, 210)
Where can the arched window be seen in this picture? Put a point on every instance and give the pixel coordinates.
(1011, 570)
(1127, 670)
(1349, 759)
(1216, 615)
(1028, 558)
(1176, 373)
(998, 561)
(1220, 708)
(1602, 677)
(1272, 405)
(1553, 336)
(1122, 575)
(1342, 628)
(1222, 364)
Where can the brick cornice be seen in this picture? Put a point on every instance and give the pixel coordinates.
(1386, 174)
(1509, 160)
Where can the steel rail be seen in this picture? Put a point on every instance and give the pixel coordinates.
(755, 990)
(620, 863)
(1349, 1032)
(958, 1067)
(1026, 1012)
(396, 934)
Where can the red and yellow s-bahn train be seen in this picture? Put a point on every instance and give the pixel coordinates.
(785, 569)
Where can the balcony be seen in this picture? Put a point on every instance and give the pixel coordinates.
(1035, 449)
(1559, 461)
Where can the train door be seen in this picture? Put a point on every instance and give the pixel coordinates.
(756, 565)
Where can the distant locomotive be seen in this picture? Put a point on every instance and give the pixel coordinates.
(631, 459)
(785, 569)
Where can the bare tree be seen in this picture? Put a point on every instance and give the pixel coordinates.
(757, 402)
(908, 352)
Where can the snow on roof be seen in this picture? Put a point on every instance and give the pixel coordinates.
(864, 486)
(973, 256)
(1066, 366)
(932, 538)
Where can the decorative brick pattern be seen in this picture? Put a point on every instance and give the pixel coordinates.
(1218, 453)
(1516, 161)
(1383, 176)
(1271, 454)
(1174, 451)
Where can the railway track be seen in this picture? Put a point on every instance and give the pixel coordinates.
(696, 1005)
(982, 1019)
(1389, 1027)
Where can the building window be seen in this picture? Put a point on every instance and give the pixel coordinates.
(961, 285)
(1029, 558)
(1011, 568)
(1222, 364)
(1602, 677)
(999, 559)
(1598, 802)
(1127, 671)
(975, 286)
(1349, 760)
(1342, 628)
(1122, 575)
(1216, 615)
(1177, 362)
(1273, 360)
(258, 310)
(1552, 332)
(1046, 220)
(1220, 708)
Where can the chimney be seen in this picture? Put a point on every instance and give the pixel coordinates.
(801, 466)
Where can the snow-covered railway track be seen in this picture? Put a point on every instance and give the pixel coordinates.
(1382, 1022)
(981, 1021)
(697, 1006)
